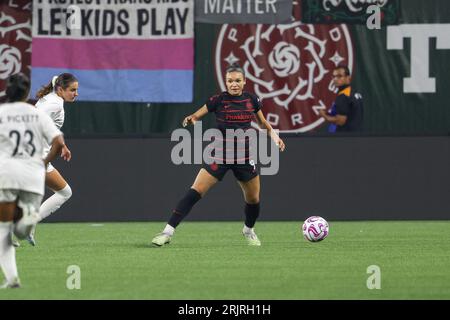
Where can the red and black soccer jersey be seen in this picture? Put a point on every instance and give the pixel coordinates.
(234, 112)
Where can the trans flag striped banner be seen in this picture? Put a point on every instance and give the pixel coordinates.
(119, 50)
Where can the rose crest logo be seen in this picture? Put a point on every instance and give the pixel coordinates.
(15, 40)
(289, 66)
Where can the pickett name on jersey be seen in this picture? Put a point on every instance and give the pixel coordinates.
(27, 118)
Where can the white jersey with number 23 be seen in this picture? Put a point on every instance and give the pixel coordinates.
(24, 133)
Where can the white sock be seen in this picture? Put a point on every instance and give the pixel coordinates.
(247, 229)
(55, 202)
(169, 230)
(7, 252)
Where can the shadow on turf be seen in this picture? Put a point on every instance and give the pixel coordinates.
(190, 246)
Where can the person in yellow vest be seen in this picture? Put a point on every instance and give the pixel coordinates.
(346, 114)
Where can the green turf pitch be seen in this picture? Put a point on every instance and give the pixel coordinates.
(210, 260)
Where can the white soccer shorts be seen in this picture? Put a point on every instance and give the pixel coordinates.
(25, 197)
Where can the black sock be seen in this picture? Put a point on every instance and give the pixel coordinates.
(183, 207)
(251, 214)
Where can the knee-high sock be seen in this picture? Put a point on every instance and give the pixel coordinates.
(55, 202)
(183, 207)
(7, 252)
(251, 214)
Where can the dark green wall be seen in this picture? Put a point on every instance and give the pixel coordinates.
(380, 72)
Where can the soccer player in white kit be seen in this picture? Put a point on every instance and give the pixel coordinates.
(23, 131)
(62, 88)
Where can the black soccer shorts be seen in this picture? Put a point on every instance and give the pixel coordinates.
(242, 172)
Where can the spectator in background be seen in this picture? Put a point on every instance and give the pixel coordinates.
(346, 114)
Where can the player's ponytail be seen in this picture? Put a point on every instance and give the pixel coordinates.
(17, 87)
(45, 90)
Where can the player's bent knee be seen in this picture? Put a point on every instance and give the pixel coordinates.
(66, 192)
(252, 200)
(201, 190)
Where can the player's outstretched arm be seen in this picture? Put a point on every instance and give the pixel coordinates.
(263, 124)
(57, 146)
(191, 119)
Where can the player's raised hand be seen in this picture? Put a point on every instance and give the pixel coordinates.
(66, 154)
(189, 120)
(281, 145)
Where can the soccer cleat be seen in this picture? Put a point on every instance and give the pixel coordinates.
(161, 239)
(30, 237)
(14, 242)
(14, 285)
(252, 238)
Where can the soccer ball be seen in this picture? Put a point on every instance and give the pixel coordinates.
(315, 229)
